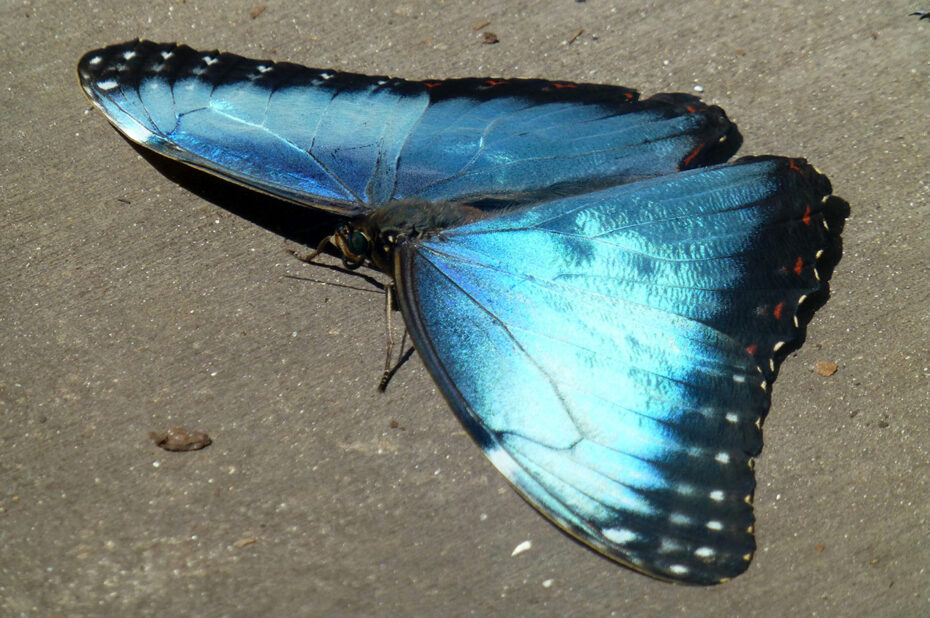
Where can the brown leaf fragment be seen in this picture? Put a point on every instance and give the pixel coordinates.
(489, 38)
(825, 368)
(180, 439)
(257, 11)
(243, 542)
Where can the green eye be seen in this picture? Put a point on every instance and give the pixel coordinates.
(357, 243)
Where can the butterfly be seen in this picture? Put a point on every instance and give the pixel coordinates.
(598, 294)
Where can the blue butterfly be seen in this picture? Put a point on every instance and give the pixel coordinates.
(598, 296)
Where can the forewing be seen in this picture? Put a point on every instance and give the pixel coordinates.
(610, 352)
(347, 142)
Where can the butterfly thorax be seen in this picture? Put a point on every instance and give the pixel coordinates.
(373, 238)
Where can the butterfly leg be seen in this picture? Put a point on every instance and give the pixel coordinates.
(310, 256)
(391, 368)
(388, 308)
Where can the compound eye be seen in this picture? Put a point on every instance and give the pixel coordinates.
(357, 243)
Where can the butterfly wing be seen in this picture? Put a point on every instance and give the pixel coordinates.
(610, 352)
(347, 143)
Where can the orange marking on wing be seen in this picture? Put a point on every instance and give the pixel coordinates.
(752, 349)
(687, 160)
(793, 165)
(778, 309)
(690, 108)
(431, 84)
(807, 216)
(798, 266)
(495, 82)
(560, 86)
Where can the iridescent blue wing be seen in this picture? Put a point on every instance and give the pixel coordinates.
(347, 143)
(612, 352)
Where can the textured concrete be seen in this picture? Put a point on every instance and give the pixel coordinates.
(129, 303)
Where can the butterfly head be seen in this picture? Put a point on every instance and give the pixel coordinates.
(372, 239)
(363, 242)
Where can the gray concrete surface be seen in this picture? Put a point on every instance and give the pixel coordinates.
(129, 304)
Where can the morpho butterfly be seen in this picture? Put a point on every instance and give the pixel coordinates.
(598, 296)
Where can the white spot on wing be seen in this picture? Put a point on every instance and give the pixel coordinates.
(95, 60)
(668, 545)
(704, 552)
(679, 519)
(678, 569)
(129, 54)
(716, 495)
(739, 379)
(109, 84)
(210, 60)
(166, 54)
(714, 525)
(620, 536)
(723, 457)
(732, 417)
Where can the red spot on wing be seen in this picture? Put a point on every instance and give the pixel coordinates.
(752, 349)
(690, 108)
(560, 86)
(807, 216)
(495, 82)
(798, 266)
(778, 310)
(431, 84)
(793, 165)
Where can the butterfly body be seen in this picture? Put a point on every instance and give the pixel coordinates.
(597, 294)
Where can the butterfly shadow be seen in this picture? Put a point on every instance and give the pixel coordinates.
(298, 224)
